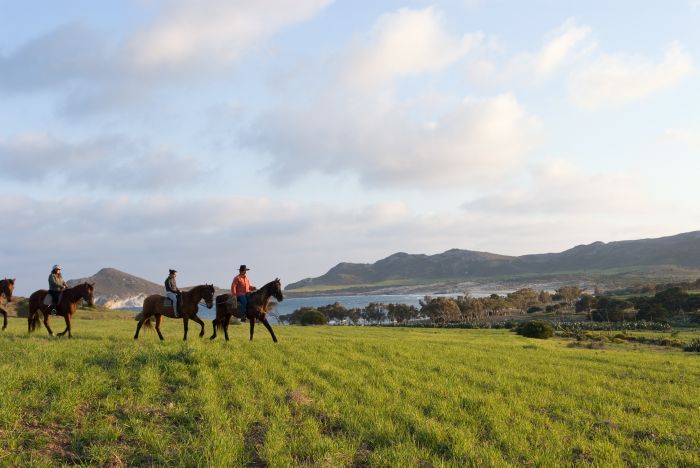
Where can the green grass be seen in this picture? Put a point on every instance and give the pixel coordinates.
(341, 396)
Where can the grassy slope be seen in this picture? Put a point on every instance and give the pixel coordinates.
(341, 396)
(623, 276)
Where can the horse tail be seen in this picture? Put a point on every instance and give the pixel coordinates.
(33, 313)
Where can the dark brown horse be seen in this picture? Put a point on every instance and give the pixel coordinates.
(226, 306)
(7, 287)
(153, 307)
(66, 307)
(259, 305)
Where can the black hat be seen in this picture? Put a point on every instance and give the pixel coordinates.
(243, 267)
(173, 271)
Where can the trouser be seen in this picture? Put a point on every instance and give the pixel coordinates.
(243, 300)
(55, 295)
(175, 297)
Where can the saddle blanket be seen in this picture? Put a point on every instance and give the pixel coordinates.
(167, 302)
(47, 299)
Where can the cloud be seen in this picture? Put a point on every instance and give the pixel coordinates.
(405, 43)
(612, 80)
(560, 188)
(474, 142)
(213, 32)
(564, 45)
(187, 41)
(560, 47)
(114, 163)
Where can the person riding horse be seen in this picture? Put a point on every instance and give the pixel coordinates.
(173, 293)
(56, 287)
(240, 288)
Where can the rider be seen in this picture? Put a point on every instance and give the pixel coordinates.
(56, 286)
(173, 293)
(240, 287)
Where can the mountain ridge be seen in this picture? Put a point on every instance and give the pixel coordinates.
(681, 251)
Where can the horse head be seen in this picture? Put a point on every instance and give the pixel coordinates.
(208, 295)
(277, 290)
(7, 288)
(88, 289)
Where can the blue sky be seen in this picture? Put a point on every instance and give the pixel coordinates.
(290, 136)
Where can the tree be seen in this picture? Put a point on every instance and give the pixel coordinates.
(374, 312)
(401, 312)
(523, 299)
(335, 311)
(313, 317)
(673, 299)
(441, 309)
(568, 294)
(586, 304)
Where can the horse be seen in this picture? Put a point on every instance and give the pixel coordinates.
(66, 307)
(153, 306)
(259, 305)
(7, 287)
(226, 305)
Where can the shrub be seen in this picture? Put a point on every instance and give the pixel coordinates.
(693, 346)
(536, 329)
(313, 317)
(534, 309)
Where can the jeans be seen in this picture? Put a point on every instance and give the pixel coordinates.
(243, 300)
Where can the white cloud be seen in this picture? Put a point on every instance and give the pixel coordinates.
(560, 47)
(114, 163)
(405, 43)
(474, 142)
(214, 31)
(617, 79)
(560, 188)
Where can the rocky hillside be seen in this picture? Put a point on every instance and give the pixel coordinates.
(681, 251)
(116, 290)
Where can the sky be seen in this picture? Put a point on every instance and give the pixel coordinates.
(289, 135)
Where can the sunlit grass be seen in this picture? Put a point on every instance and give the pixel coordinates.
(341, 396)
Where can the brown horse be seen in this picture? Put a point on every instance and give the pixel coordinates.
(7, 287)
(226, 306)
(153, 307)
(66, 307)
(259, 305)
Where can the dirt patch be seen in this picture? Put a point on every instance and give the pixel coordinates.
(58, 445)
(254, 440)
(299, 397)
(362, 457)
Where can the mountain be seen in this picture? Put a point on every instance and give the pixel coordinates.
(116, 290)
(664, 257)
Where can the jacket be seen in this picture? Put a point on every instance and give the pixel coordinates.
(171, 284)
(56, 282)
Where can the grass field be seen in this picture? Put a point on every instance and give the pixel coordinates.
(342, 396)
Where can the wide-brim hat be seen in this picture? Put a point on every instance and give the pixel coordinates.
(243, 268)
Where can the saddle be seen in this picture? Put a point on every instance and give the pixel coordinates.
(47, 299)
(167, 302)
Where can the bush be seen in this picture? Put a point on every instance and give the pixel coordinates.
(536, 329)
(692, 347)
(534, 309)
(313, 317)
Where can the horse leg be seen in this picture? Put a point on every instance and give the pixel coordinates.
(67, 317)
(201, 324)
(269, 328)
(185, 324)
(158, 319)
(252, 327)
(213, 326)
(227, 320)
(4, 318)
(46, 323)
